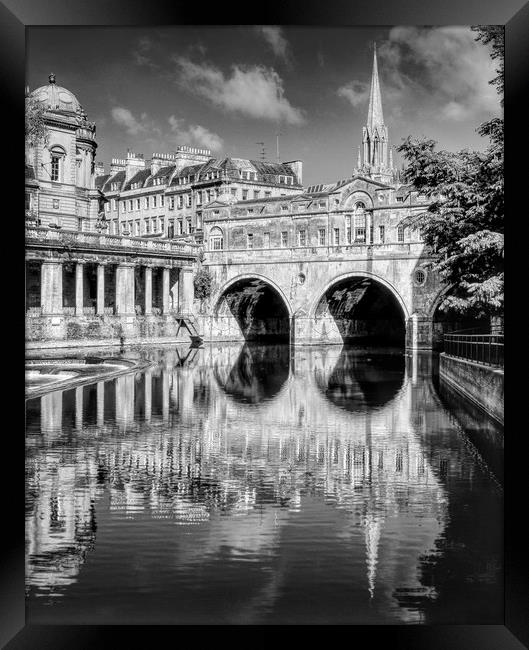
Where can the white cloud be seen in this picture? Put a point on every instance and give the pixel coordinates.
(255, 91)
(446, 64)
(276, 40)
(356, 92)
(194, 134)
(431, 73)
(124, 117)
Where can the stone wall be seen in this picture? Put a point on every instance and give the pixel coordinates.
(108, 327)
(481, 384)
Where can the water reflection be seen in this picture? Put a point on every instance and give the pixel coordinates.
(298, 510)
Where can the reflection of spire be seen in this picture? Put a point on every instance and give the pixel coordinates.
(372, 535)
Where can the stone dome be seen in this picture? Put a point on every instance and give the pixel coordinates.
(57, 98)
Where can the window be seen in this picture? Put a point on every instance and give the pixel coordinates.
(55, 167)
(360, 222)
(249, 240)
(400, 199)
(188, 200)
(420, 276)
(371, 234)
(137, 204)
(131, 205)
(56, 204)
(147, 226)
(137, 228)
(180, 201)
(381, 234)
(114, 204)
(348, 234)
(284, 208)
(188, 223)
(267, 240)
(28, 201)
(284, 239)
(162, 224)
(321, 236)
(146, 202)
(256, 194)
(162, 201)
(171, 203)
(154, 220)
(400, 234)
(244, 195)
(268, 195)
(234, 192)
(170, 230)
(336, 236)
(302, 237)
(180, 226)
(154, 201)
(216, 239)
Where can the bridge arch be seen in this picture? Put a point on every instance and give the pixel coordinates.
(362, 306)
(253, 307)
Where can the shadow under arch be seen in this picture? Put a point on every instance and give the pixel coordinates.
(365, 308)
(258, 307)
(361, 380)
(258, 374)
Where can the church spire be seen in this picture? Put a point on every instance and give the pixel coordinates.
(375, 116)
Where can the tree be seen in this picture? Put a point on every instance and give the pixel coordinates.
(203, 282)
(463, 224)
(36, 130)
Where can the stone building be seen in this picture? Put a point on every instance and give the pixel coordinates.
(335, 262)
(81, 281)
(166, 197)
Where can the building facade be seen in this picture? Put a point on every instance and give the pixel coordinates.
(83, 283)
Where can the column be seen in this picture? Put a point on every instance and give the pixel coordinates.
(186, 291)
(100, 289)
(125, 289)
(174, 288)
(51, 287)
(165, 290)
(165, 395)
(148, 290)
(100, 407)
(79, 280)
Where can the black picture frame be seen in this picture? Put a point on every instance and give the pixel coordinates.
(15, 17)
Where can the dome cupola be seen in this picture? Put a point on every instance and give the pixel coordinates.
(57, 98)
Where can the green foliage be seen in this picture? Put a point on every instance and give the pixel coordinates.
(464, 224)
(36, 130)
(203, 283)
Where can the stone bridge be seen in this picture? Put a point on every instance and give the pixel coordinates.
(376, 293)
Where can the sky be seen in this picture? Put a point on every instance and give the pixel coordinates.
(230, 88)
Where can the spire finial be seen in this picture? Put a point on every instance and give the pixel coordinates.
(51, 78)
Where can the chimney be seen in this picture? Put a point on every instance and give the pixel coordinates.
(133, 164)
(117, 165)
(159, 160)
(297, 168)
(99, 169)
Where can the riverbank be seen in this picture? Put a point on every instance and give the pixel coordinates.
(481, 384)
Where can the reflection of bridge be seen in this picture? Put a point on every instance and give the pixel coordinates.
(372, 464)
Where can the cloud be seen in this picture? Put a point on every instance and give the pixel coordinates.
(124, 117)
(445, 65)
(194, 134)
(141, 55)
(356, 92)
(276, 40)
(431, 73)
(254, 91)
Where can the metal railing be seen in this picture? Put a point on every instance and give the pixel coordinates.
(482, 348)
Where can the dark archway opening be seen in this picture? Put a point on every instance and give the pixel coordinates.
(365, 312)
(259, 310)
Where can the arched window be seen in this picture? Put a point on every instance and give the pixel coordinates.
(216, 239)
(57, 155)
(360, 222)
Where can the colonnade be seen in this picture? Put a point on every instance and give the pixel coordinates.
(176, 295)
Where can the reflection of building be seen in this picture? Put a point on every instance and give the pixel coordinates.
(170, 443)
